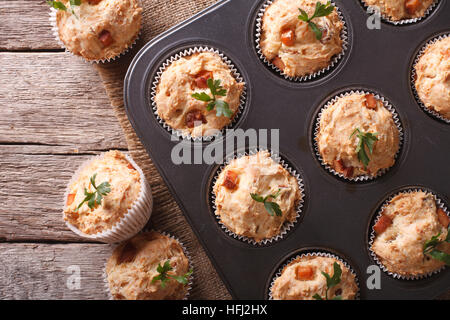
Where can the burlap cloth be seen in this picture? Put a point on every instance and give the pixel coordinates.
(158, 16)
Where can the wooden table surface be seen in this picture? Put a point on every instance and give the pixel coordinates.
(54, 115)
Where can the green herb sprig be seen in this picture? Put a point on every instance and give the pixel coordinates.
(272, 207)
(332, 281)
(366, 139)
(430, 248)
(222, 107)
(322, 10)
(95, 198)
(58, 5)
(164, 275)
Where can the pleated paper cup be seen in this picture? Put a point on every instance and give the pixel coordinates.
(185, 53)
(316, 127)
(287, 226)
(317, 253)
(133, 220)
(55, 31)
(439, 204)
(420, 54)
(389, 20)
(187, 287)
(333, 62)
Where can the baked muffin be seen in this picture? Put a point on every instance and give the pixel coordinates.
(352, 121)
(256, 196)
(401, 9)
(291, 44)
(302, 279)
(433, 77)
(175, 94)
(405, 225)
(99, 29)
(132, 270)
(116, 181)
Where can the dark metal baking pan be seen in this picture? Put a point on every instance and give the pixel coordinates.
(337, 214)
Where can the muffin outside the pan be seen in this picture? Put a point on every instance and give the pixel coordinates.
(433, 77)
(357, 136)
(405, 225)
(398, 10)
(108, 198)
(179, 93)
(134, 269)
(291, 44)
(302, 279)
(248, 189)
(99, 30)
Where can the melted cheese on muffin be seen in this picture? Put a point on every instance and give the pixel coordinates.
(256, 174)
(302, 279)
(401, 9)
(186, 76)
(125, 187)
(133, 265)
(291, 45)
(413, 220)
(433, 77)
(339, 121)
(99, 29)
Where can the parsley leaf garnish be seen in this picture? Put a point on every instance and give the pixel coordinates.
(164, 276)
(322, 10)
(430, 248)
(95, 198)
(366, 139)
(222, 107)
(331, 282)
(272, 207)
(58, 5)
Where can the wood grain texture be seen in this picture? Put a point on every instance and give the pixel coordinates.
(24, 25)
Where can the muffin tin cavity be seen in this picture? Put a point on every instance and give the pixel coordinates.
(334, 62)
(371, 235)
(185, 53)
(309, 252)
(419, 53)
(287, 226)
(316, 128)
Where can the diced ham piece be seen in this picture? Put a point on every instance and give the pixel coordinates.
(341, 168)
(288, 37)
(412, 6)
(201, 79)
(194, 117)
(231, 180)
(382, 224)
(105, 38)
(70, 198)
(443, 218)
(304, 273)
(371, 101)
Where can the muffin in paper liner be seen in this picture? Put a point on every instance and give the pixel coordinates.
(287, 226)
(185, 53)
(316, 128)
(55, 31)
(372, 235)
(314, 253)
(188, 287)
(387, 19)
(133, 220)
(419, 55)
(333, 62)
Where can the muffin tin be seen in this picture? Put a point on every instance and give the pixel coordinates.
(337, 214)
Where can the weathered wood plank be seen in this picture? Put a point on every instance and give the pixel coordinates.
(55, 99)
(25, 26)
(41, 271)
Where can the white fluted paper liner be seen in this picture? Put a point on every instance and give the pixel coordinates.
(431, 112)
(387, 19)
(188, 287)
(314, 254)
(287, 224)
(55, 31)
(332, 64)
(395, 117)
(185, 53)
(133, 220)
(372, 236)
